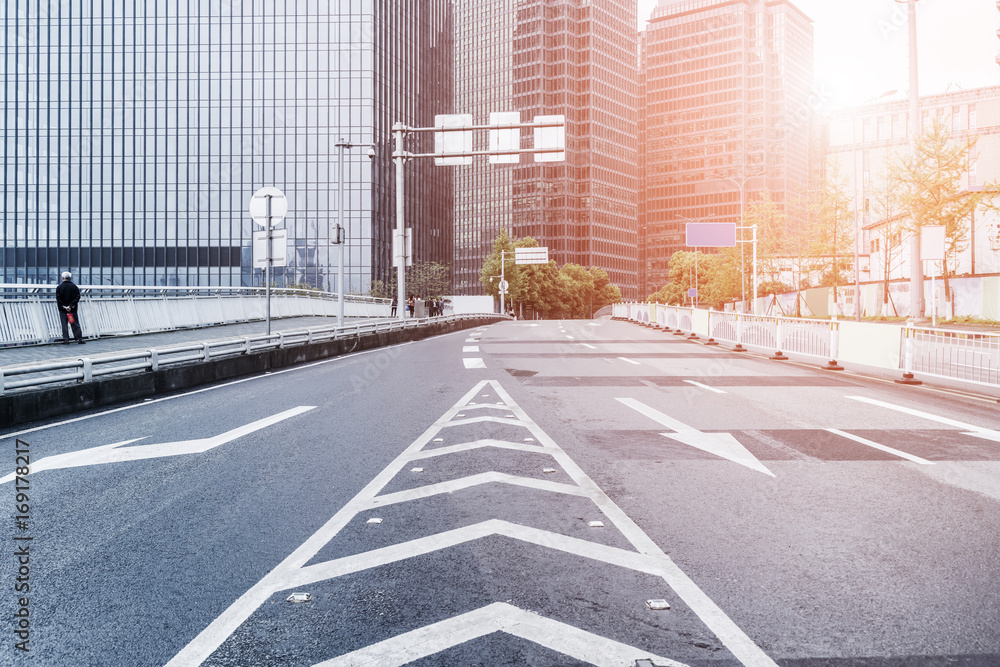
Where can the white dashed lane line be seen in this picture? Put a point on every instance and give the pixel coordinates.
(474, 362)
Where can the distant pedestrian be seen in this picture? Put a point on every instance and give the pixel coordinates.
(68, 300)
(394, 300)
(411, 307)
(440, 307)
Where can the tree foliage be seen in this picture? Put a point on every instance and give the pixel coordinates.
(571, 291)
(833, 232)
(427, 280)
(931, 189)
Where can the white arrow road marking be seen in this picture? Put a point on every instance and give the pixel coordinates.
(474, 363)
(884, 448)
(647, 557)
(720, 444)
(117, 453)
(974, 431)
(496, 617)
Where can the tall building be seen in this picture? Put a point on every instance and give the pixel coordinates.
(543, 57)
(136, 131)
(726, 91)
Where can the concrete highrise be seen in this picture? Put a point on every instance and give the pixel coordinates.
(725, 95)
(538, 57)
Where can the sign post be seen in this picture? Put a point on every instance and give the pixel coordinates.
(268, 207)
(932, 242)
(504, 146)
(711, 235)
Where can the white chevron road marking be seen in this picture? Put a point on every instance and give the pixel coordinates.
(647, 557)
(497, 617)
(116, 453)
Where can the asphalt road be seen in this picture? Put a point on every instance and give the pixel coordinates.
(434, 504)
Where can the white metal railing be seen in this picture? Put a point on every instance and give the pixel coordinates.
(967, 356)
(36, 374)
(811, 337)
(959, 355)
(28, 313)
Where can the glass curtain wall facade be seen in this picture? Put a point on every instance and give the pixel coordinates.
(135, 132)
(727, 86)
(539, 57)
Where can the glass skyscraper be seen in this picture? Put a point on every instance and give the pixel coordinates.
(135, 132)
(726, 91)
(576, 58)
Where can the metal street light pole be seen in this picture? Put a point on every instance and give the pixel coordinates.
(857, 224)
(341, 145)
(741, 186)
(916, 268)
(399, 156)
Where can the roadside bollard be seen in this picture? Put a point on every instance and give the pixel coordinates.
(779, 341)
(908, 340)
(832, 365)
(739, 334)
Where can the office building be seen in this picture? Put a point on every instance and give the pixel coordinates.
(537, 57)
(726, 93)
(863, 141)
(136, 131)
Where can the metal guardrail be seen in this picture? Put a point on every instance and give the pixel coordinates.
(28, 314)
(87, 368)
(947, 353)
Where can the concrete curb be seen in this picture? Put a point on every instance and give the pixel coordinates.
(47, 402)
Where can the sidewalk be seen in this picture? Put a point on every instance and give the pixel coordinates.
(10, 356)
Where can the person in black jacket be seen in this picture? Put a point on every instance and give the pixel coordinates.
(68, 298)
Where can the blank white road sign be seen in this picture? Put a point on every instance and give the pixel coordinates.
(505, 140)
(258, 206)
(453, 142)
(550, 137)
(279, 248)
(932, 238)
(531, 255)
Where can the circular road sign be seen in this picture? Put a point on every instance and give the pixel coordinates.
(503, 286)
(258, 206)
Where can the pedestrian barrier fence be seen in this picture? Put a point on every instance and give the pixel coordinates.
(85, 369)
(28, 313)
(946, 353)
(963, 355)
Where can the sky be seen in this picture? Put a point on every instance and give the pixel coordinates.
(861, 47)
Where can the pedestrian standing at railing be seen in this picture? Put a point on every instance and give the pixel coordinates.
(394, 303)
(68, 299)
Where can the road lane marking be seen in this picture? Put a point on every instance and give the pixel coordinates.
(570, 337)
(723, 445)
(974, 431)
(626, 359)
(117, 452)
(470, 348)
(592, 347)
(884, 448)
(293, 571)
(474, 362)
(705, 386)
(493, 618)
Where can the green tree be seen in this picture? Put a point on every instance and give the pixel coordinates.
(771, 224)
(568, 292)
(426, 279)
(932, 191)
(833, 228)
(886, 205)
